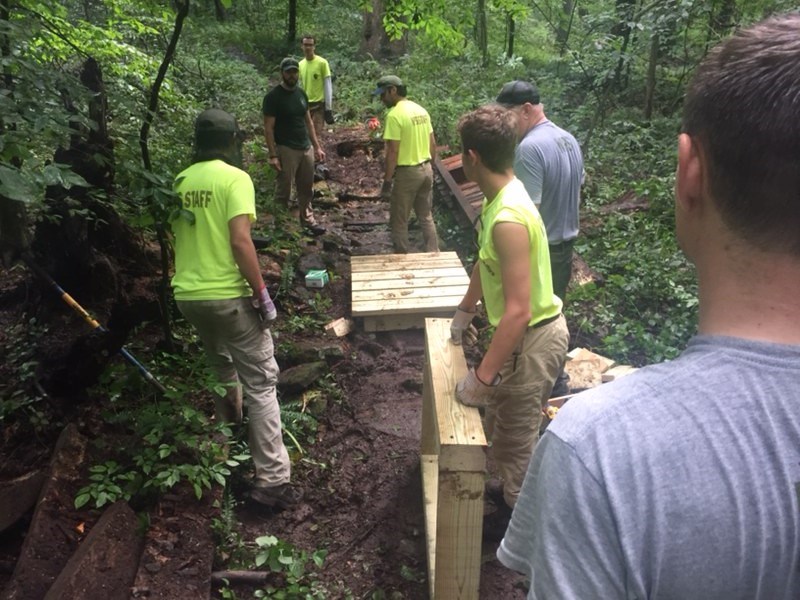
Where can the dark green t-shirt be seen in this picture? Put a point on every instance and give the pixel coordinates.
(289, 107)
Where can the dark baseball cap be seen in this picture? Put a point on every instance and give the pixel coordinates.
(215, 120)
(289, 63)
(386, 81)
(516, 93)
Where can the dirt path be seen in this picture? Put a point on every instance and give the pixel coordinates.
(363, 500)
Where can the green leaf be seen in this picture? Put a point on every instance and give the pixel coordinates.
(82, 499)
(16, 187)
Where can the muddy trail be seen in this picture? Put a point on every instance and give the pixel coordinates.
(361, 472)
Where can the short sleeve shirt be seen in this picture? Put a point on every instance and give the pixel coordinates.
(410, 124)
(289, 107)
(212, 192)
(312, 77)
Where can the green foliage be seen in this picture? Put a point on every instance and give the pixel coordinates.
(280, 557)
(172, 444)
(21, 400)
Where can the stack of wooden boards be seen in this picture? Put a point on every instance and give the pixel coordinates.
(398, 291)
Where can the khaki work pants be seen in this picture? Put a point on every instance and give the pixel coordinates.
(514, 413)
(413, 188)
(317, 110)
(296, 166)
(241, 352)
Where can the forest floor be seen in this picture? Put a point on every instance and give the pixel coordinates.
(361, 473)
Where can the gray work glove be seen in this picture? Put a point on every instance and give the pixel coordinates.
(265, 307)
(386, 190)
(461, 328)
(471, 391)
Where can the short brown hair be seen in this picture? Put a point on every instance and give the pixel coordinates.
(741, 107)
(491, 131)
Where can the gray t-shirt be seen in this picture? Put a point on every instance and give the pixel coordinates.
(549, 163)
(680, 481)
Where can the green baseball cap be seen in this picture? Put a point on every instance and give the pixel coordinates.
(215, 120)
(386, 81)
(289, 63)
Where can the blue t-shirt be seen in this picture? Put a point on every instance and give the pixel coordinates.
(680, 481)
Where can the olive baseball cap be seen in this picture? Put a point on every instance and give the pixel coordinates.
(386, 81)
(215, 120)
(289, 63)
(516, 93)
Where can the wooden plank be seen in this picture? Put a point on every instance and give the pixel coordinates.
(430, 491)
(410, 258)
(417, 282)
(408, 294)
(419, 306)
(458, 425)
(382, 264)
(401, 274)
(454, 562)
(339, 327)
(459, 524)
(444, 173)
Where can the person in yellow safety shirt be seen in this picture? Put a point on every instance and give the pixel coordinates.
(219, 289)
(527, 351)
(315, 79)
(410, 146)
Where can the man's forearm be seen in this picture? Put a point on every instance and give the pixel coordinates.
(244, 254)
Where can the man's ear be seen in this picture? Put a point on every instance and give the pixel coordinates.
(689, 178)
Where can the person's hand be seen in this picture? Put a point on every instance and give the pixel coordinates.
(319, 153)
(471, 391)
(265, 307)
(275, 163)
(461, 328)
(386, 190)
(328, 115)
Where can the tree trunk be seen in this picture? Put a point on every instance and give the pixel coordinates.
(512, 26)
(481, 37)
(219, 10)
(625, 11)
(291, 29)
(650, 90)
(374, 41)
(159, 212)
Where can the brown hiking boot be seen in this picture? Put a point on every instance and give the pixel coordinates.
(278, 496)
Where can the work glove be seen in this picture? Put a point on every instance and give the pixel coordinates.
(328, 116)
(471, 391)
(386, 190)
(461, 328)
(265, 307)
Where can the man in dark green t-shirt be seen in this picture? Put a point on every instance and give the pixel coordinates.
(290, 136)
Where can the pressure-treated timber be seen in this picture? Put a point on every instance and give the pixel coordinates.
(453, 465)
(397, 291)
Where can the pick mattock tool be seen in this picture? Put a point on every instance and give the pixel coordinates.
(88, 318)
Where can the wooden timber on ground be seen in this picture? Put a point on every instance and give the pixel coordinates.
(453, 466)
(397, 291)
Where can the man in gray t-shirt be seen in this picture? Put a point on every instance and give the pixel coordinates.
(549, 163)
(682, 481)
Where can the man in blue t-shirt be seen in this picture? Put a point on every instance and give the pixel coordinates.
(681, 481)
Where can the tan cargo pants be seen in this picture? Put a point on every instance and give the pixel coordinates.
(240, 352)
(413, 188)
(514, 413)
(297, 166)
